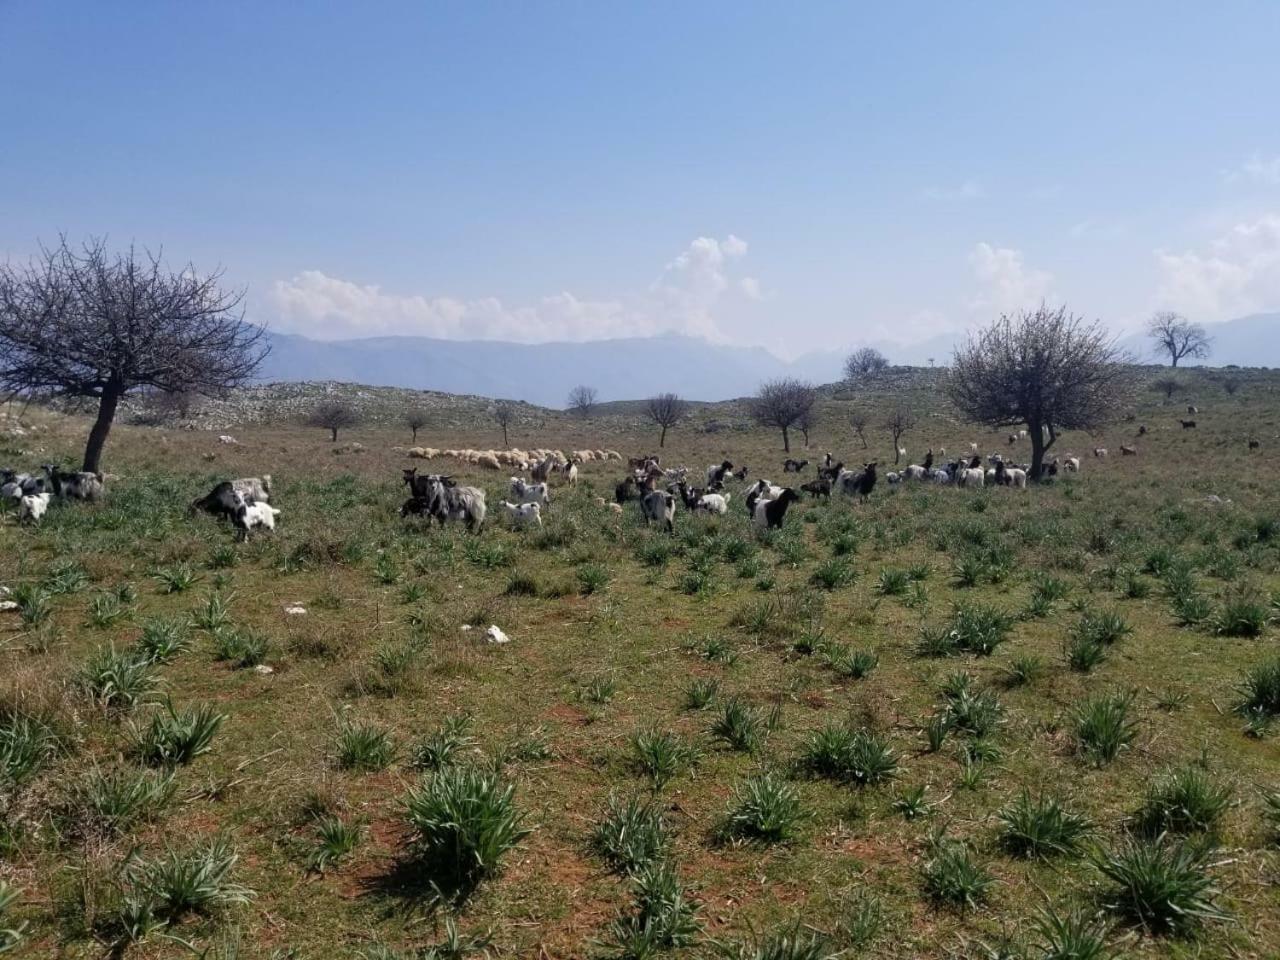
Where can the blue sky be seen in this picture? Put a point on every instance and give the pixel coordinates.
(802, 176)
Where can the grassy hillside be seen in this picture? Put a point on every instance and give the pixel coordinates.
(832, 726)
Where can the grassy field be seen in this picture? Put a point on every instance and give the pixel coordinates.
(777, 746)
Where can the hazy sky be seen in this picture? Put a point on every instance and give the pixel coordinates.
(802, 176)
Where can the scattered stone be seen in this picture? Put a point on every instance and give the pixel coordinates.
(263, 669)
(466, 627)
(7, 606)
(294, 609)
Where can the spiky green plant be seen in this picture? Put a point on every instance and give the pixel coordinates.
(26, 744)
(663, 917)
(839, 752)
(1103, 728)
(336, 839)
(1185, 799)
(192, 880)
(701, 693)
(1077, 934)
(740, 726)
(118, 680)
(953, 876)
(364, 746)
(12, 933)
(661, 755)
(1160, 883)
(115, 801)
(163, 639)
(764, 807)
(173, 738)
(1041, 827)
(178, 578)
(631, 834)
(444, 745)
(1260, 688)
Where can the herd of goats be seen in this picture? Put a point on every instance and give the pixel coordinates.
(245, 502)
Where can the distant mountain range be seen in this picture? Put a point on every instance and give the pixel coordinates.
(629, 369)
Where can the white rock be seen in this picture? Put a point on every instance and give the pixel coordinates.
(6, 605)
(294, 609)
(495, 635)
(466, 627)
(263, 669)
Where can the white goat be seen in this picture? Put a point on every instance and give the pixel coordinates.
(530, 492)
(32, 507)
(523, 514)
(717, 503)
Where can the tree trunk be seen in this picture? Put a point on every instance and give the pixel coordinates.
(864, 441)
(415, 434)
(505, 442)
(662, 440)
(333, 431)
(1039, 447)
(786, 441)
(101, 427)
(1175, 359)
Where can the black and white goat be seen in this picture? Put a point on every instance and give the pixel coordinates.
(769, 514)
(74, 485)
(659, 506)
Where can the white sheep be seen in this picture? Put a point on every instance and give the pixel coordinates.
(523, 514)
(971, 477)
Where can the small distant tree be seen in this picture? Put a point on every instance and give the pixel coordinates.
(1048, 369)
(666, 410)
(176, 404)
(582, 400)
(781, 403)
(858, 420)
(416, 419)
(900, 421)
(1166, 385)
(88, 323)
(333, 415)
(806, 422)
(863, 364)
(503, 413)
(1231, 385)
(1177, 336)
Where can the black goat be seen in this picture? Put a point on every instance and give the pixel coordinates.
(773, 512)
(1188, 424)
(740, 474)
(417, 507)
(626, 490)
(832, 471)
(863, 483)
(817, 488)
(793, 466)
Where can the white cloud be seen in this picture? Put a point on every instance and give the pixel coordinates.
(1006, 282)
(681, 300)
(969, 190)
(1259, 169)
(1239, 273)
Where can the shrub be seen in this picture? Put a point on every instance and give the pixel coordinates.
(174, 738)
(12, 935)
(832, 573)
(893, 583)
(336, 840)
(631, 835)
(1083, 653)
(1076, 935)
(663, 919)
(1161, 884)
(115, 802)
(464, 821)
(1102, 627)
(1260, 689)
(701, 692)
(974, 712)
(764, 807)
(241, 648)
(1183, 800)
(841, 753)
(163, 639)
(851, 663)
(441, 747)
(952, 876)
(1023, 670)
(34, 606)
(592, 577)
(196, 880)
(215, 613)
(1244, 612)
(176, 579)
(661, 755)
(364, 746)
(599, 690)
(117, 680)
(1041, 828)
(1103, 727)
(911, 802)
(978, 628)
(790, 943)
(740, 726)
(25, 745)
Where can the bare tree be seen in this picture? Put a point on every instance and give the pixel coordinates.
(859, 420)
(1177, 336)
(1047, 369)
(333, 415)
(176, 404)
(1166, 385)
(88, 323)
(503, 413)
(416, 419)
(781, 403)
(863, 364)
(900, 421)
(582, 400)
(806, 422)
(1231, 385)
(666, 410)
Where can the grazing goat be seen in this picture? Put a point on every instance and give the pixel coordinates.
(74, 485)
(223, 501)
(530, 492)
(717, 472)
(740, 475)
(769, 514)
(831, 471)
(1192, 409)
(817, 488)
(448, 501)
(251, 513)
(1142, 429)
(1128, 451)
(571, 474)
(626, 490)
(793, 466)
(659, 507)
(762, 489)
(523, 514)
(858, 484)
(1099, 452)
(1188, 424)
(33, 506)
(1071, 464)
(717, 503)
(973, 475)
(893, 477)
(254, 489)
(689, 496)
(416, 506)
(1255, 445)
